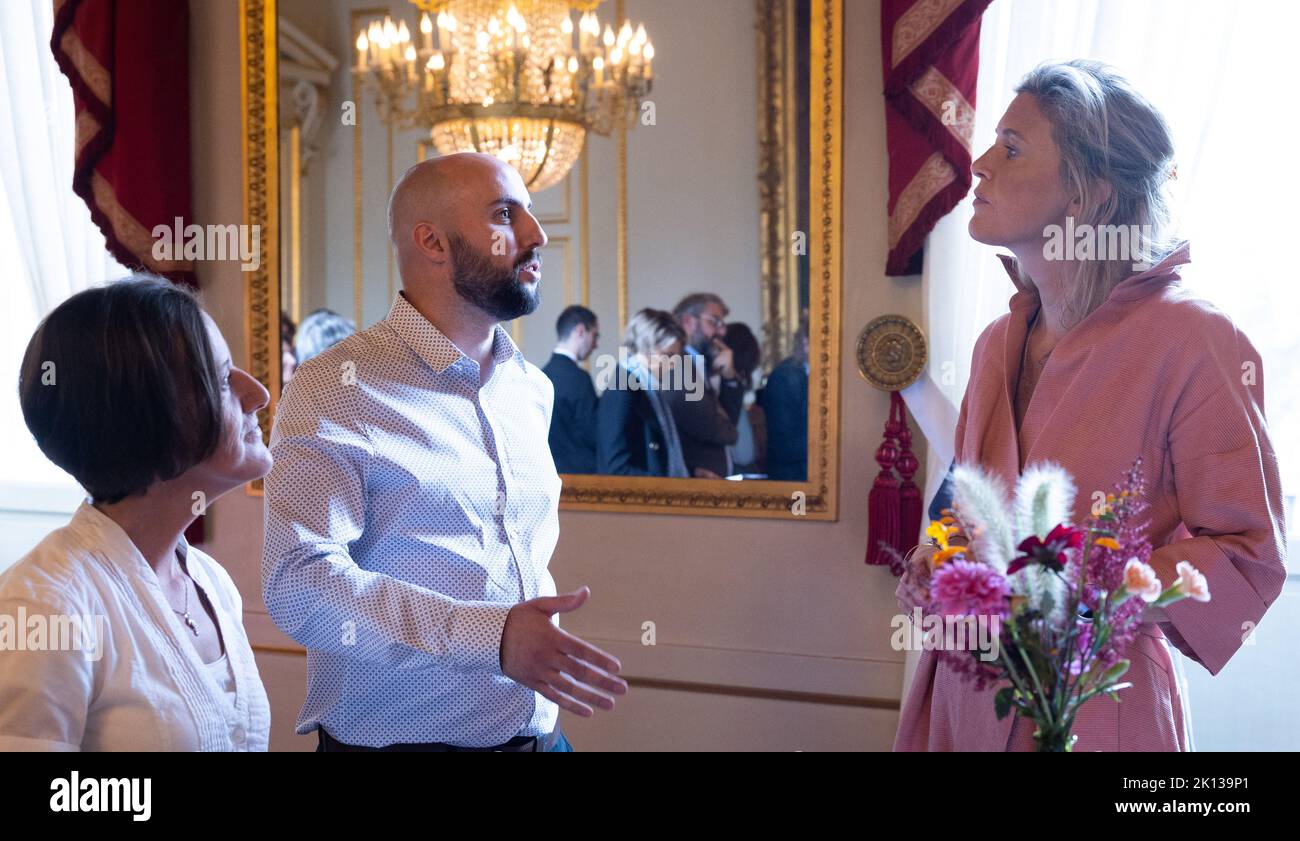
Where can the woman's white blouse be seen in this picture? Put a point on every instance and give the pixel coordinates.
(92, 657)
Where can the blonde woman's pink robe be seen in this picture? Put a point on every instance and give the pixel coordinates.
(1152, 372)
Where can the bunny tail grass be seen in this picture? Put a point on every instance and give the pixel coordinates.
(982, 502)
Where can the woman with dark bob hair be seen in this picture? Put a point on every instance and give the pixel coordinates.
(131, 638)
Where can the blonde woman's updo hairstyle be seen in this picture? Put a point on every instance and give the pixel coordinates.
(650, 331)
(1107, 132)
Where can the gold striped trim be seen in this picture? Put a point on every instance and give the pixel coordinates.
(935, 174)
(129, 232)
(942, 99)
(917, 23)
(88, 67)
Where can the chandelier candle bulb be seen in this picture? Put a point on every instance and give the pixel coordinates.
(363, 47)
(426, 31)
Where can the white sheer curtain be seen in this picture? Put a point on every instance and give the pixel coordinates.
(1222, 74)
(53, 247)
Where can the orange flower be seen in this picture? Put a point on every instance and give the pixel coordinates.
(943, 555)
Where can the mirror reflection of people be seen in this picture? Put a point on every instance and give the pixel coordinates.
(288, 356)
(573, 420)
(130, 388)
(785, 406)
(320, 331)
(413, 509)
(748, 454)
(707, 420)
(635, 431)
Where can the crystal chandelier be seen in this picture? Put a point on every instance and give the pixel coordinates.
(513, 79)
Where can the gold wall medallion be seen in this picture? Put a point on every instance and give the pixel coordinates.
(891, 352)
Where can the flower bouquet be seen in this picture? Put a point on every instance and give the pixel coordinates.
(1059, 603)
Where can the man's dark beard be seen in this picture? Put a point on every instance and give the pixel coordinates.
(498, 292)
(703, 344)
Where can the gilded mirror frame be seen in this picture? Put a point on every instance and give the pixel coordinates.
(814, 499)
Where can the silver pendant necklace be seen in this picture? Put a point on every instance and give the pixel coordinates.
(185, 614)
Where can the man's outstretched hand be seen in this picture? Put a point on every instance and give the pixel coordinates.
(548, 660)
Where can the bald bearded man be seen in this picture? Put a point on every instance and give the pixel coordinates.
(413, 506)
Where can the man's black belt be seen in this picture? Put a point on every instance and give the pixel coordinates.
(519, 744)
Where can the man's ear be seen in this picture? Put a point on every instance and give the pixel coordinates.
(431, 241)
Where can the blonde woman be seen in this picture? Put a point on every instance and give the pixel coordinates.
(635, 431)
(1104, 357)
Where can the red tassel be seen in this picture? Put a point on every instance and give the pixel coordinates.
(909, 512)
(883, 501)
(894, 504)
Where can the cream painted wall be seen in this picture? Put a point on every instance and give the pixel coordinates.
(692, 192)
(770, 634)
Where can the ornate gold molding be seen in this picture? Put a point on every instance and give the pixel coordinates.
(584, 225)
(358, 180)
(392, 181)
(260, 152)
(820, 494)
(620, 17)
(295, 224)
(777, 165)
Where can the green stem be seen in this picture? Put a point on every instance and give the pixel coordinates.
(1022, 688)
(1040, 696)
(1067, 690)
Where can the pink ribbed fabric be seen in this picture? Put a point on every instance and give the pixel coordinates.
(1152, 372)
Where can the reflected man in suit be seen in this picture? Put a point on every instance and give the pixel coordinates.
(785, 403)
(706, 417)
(573, 422)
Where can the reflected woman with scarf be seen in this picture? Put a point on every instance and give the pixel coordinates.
(635, 431)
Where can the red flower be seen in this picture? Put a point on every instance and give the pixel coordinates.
(1050, 552)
